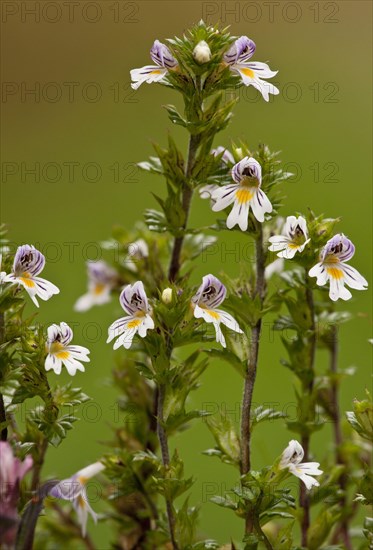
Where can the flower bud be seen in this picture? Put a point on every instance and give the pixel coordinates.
(202, 52)
(239, 152)
(167, 296)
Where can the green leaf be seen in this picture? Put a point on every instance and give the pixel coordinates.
(321, 527)
(260, 414)
(174, 115)
(225, 502)
(226, 437)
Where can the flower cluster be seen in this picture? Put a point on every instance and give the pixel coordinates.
(204, 303)
(236, 58)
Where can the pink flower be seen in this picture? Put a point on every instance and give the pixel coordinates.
(12, 470)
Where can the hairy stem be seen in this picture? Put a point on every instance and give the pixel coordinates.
(50, 413)
(343, 530)
(38, 465)
(261, 535)
(163, 441)
(4, 431)
(252, 368)
(304, 501)
(174, 269)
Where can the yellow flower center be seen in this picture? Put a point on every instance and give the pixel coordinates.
(58, 350)
(98, 289)
(335, 273)
(244, 195)
(134, 323)
(26, 280)
(212, 313)
(248, 72)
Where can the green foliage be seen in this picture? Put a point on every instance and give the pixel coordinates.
(321, 526)
(361, 418)
(226, 438)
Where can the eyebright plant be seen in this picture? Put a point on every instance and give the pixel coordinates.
(163, 345)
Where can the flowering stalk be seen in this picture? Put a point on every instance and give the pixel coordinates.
(304, 501)
(187, 196)
(50, 414)
(163, 442)
(343, 530)
(4, 431)
(252, 366)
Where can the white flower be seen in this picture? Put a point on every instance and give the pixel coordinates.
(251, 73)
(292, 460)
(138, 250)
(293, 240)
(28, 263)
(332, 268)
(164, 60)
(101, 279)
(244, 193)
(202, 52)
(277, 266)
(227, 156)
(74, 489)
(209, 296)
(134, 302)
(61, 353)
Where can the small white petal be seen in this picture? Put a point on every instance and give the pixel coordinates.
(353, 278)
(91, 470)
(147, 324)
(278, 242)
(320, 272)
(260, 205)
(338, 290)
(229, 321)
(219, 335)
(149, 74)
(224, 196)
(52, 362)
(239, 215)
(277, 266)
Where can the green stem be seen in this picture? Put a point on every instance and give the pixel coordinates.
(163, 441)
(262, 537)
(252, 369)
(38, 464)
(4, 431)
(304, 501)
(343, 530)
(194, 142)
(51, 413)
(174, 269)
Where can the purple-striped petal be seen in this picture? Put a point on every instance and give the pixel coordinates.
(240, 51)
(28, 260)
(162, 56)
(340, 247)
(248, 167)
(211, 293)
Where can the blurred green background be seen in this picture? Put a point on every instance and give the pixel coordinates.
(83, 129)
